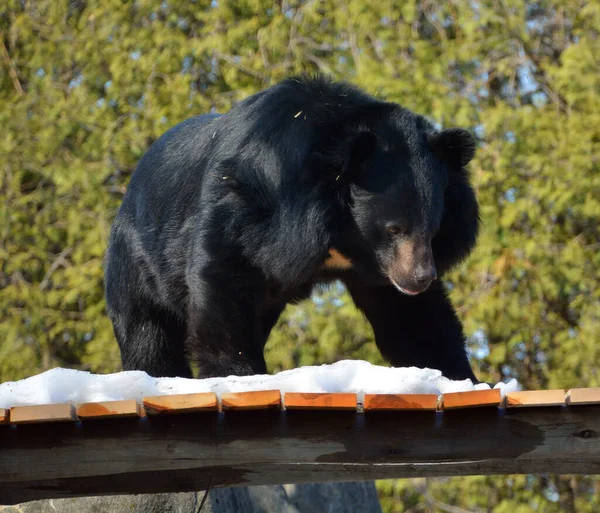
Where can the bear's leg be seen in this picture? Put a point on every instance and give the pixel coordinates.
(225, 335)
(229, 349)
(151, 340)
(420, 331)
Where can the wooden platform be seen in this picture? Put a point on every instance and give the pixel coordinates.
(190, 442)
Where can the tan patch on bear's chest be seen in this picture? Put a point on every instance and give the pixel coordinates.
(336, 260)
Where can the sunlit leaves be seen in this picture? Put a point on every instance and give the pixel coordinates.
(85, 87)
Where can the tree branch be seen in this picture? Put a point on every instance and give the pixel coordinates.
(61, 259)
(12, 72)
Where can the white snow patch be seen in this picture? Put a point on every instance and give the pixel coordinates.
(72, 386)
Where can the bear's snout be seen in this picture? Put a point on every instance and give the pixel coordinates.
(413, 268)
(425, 274)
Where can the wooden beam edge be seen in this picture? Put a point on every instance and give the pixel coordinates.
(320, 401)
(471, 399)
(254, 400)
(110, 409)
(43, 413)
(181, 403)
(534, 399)
(403, 402)
(583, 396)
(267, 399)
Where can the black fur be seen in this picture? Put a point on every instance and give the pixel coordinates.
(229, 218)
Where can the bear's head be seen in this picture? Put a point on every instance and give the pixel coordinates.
(328, 176)
(409, 211)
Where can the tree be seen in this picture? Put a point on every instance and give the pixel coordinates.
(86, 86)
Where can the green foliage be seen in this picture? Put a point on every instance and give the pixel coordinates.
(86, 86)
(325, 330)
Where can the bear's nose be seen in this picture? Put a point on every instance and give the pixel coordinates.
(425, 275)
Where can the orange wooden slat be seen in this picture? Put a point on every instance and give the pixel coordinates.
(42, 413)
(4, 416)
(400, 402)
(318, 401)
(251, 400)
(535, 398)
(471, 399)
(581, 396)
(180, 403)
(109, 409)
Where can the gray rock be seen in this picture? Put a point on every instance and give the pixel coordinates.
(155, 503)
(306, 498)
(334, 497)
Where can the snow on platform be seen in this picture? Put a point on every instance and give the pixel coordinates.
(72, 386)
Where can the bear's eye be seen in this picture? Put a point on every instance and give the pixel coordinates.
(394, 230)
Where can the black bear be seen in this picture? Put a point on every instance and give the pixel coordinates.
(228, 218)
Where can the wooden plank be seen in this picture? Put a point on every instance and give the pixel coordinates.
(192, 480)
(400, 402)
(534, 398)
(110, 409)
(471, 399)
(251, 400)
(42, 413)
(177, 453)
(581, 396)
(180, 403)
(319, 401)
(4, 416)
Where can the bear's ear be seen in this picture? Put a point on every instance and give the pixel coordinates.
(359, 138)
(454, 146)
(360, 153)
(347, 144)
